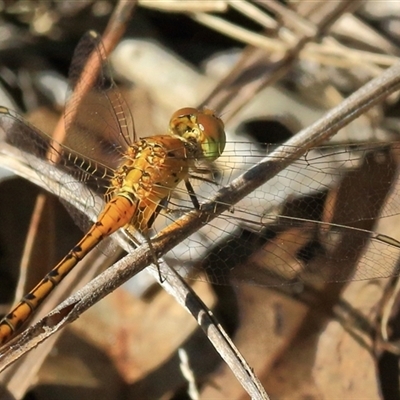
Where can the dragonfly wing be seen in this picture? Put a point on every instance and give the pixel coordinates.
(298, 216)
(72, 172)
(98, 129)
(98, 121)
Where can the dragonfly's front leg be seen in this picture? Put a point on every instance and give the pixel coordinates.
(192, 194)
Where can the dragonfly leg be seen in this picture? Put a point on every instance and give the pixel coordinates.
(155, 259)
(203, 179)
(137, 243)
(192, 194)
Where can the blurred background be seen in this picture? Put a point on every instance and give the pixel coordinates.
(269, 69)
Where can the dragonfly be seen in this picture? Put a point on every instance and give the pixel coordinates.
(147, 182)
(149, 171)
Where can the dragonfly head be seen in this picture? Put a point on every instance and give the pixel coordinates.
(202, 127)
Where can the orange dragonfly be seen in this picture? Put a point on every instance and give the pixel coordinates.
(149, 170)
(141, 178)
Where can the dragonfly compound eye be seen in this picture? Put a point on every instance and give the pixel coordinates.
(213, 134)
(202, 127)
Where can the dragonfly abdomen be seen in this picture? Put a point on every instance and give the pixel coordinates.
(116, 214)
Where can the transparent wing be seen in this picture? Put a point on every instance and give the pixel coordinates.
(324, 205)
(72, 167)
(98, 127)
(98, 121)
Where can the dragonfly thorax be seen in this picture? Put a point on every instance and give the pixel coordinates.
(151, 170)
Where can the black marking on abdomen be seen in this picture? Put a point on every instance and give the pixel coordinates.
(51, 275)
(19, 322)
(76, 249)
(29, 297)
